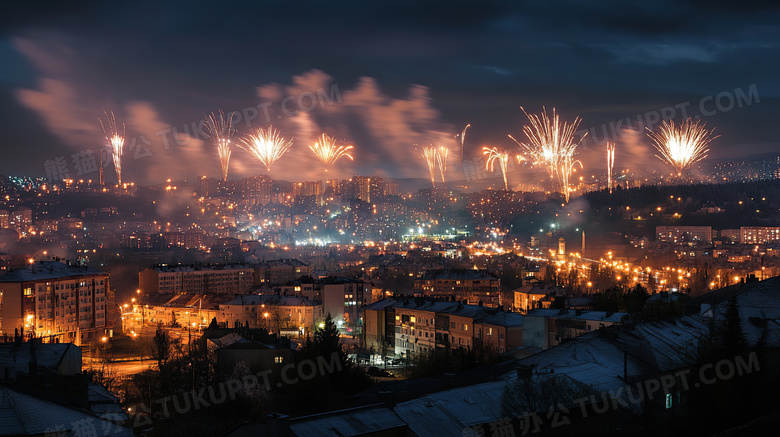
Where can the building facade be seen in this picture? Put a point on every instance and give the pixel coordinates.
(55, 301)
(683, 234)
(759, 234)
(472, 286)
(221, 279)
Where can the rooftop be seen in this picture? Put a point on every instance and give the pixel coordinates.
(271, 299)
(48, 270)
(188, 268)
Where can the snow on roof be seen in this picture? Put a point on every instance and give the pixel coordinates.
(38, 417)
(271, 299)
(18, 355)
(43, 270)
(450, 412)
(182, 268)
(599, 316)
(669, 342)
(346, 423)
(588, 359)
(501, 318)
(758, 307)
(224, 341)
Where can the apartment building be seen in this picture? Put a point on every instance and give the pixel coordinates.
(228, 279)
(55, 301)
(759, 234)
(683, 234)
(290, 316)
(406, 327)
(473, 286)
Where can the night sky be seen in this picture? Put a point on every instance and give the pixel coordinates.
(407, 72)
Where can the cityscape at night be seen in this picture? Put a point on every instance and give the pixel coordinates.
(389, 219)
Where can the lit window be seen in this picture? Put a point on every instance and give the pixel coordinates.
(278, 360)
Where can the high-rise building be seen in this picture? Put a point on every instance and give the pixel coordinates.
(377, 189)
(333, 187)
(4, 217)
(307, 188)
(55, 301)
(208, 186)
(392, 189)
(362, 186)
(20, 218)
(257, 189)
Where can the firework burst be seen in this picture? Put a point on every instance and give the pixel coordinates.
(115, 140)
(266, 145)
(219, 129)
(610, 164)
(430, 153)
(502, 157)
(552, 144)
(326, 150)
(682, 145)
(441, 157)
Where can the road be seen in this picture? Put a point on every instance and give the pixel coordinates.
(122, 368)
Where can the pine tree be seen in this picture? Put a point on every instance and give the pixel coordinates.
(733, 340)
(326, 339)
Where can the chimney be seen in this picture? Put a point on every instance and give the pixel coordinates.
(525, 371)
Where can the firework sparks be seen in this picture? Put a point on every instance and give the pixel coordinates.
(326, 150)
(567, 168)
(266, 145)
(610, 164)
(441, 158)
(551, 144)
(681, 146)
(430, 153)
(220, 130)
(463, 142)
(494, 155)
(115, 140)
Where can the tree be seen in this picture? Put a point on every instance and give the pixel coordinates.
(326, 340)
(162, 346)
(635, 299)
(732, 338)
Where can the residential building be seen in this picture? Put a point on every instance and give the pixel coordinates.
(683, 234)
(473, 286)
(545, 328)
(280, 271)
(531, 296)
(419, 325)
(228, 279)
(288, 316)
(55, 301)
(500, 331)
(343, 299)
(759, 234)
